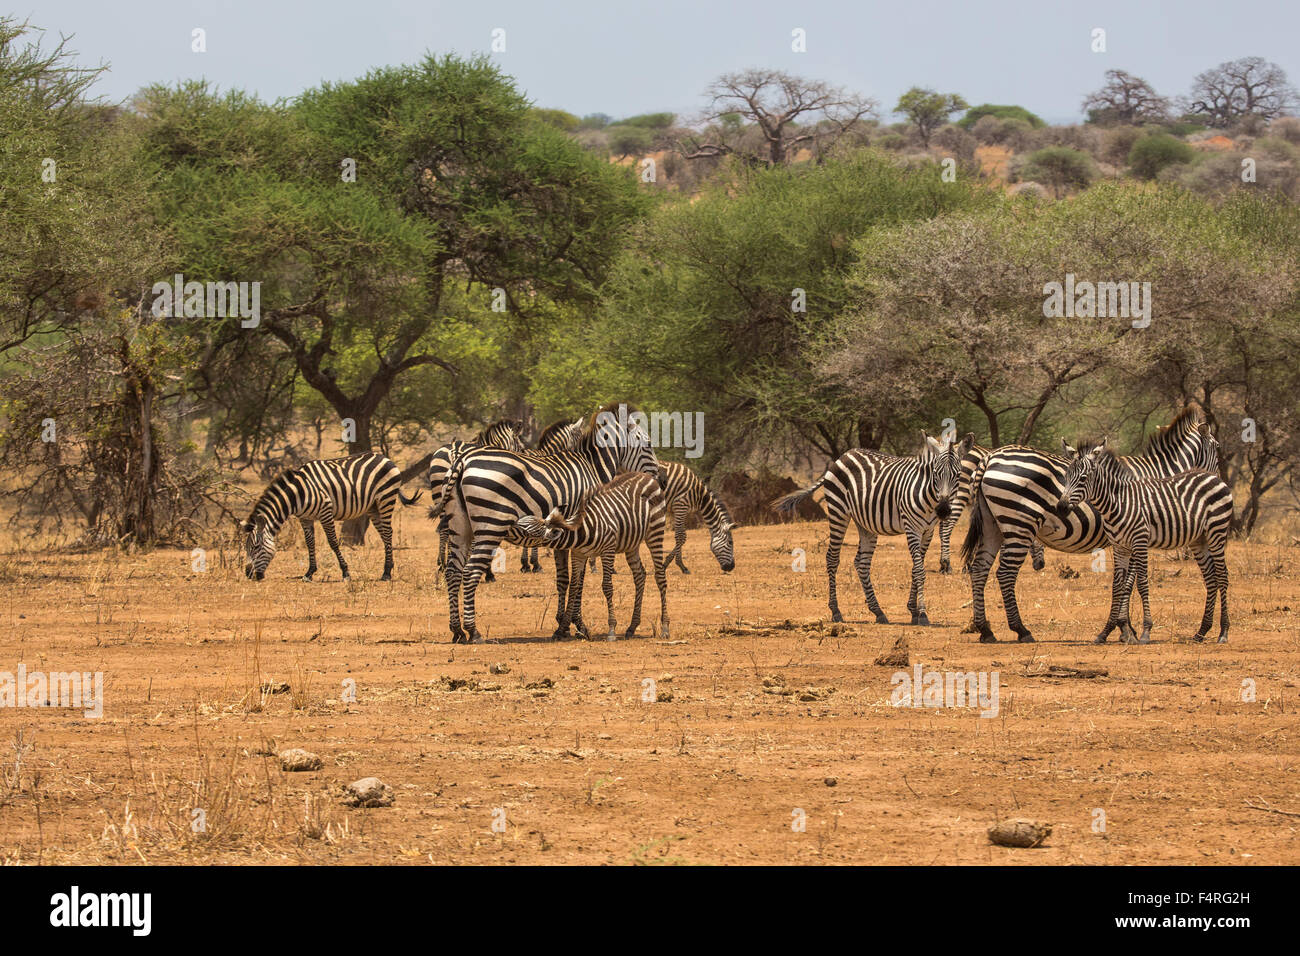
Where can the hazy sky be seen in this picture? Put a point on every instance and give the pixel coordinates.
(622, 58)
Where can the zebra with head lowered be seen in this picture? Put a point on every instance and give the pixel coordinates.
(489, 489)
(1189, 510)
(612, 519)
(1014, 499)
(687, 495)
(328, 491)
(972, 462)
(557, 436)
(505, 433)
(886, 495)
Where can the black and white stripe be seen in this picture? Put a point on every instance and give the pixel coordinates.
(488, 490)
(329, 491)
(1190, 510)
(971, 463)
(615, 518)
(1015, 495)
(686, 495)
(557, 436)
(886, 495)
(505, 433)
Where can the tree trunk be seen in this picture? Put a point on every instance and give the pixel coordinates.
(354, 531)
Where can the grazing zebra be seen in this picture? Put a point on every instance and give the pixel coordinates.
(505, 433)
(972, 462)
(557, 436)
(1189, 510)
(489, 489)
(886, 495)
(1015, 495)
(687, 495)
(612, 519)
(328, 491)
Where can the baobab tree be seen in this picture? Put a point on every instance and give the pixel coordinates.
(1251, 86)
(788, 112)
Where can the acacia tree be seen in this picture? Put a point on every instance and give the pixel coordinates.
(928, 110)
(788, 112)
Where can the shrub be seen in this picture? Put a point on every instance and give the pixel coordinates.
(1154, 152)
(976, 113)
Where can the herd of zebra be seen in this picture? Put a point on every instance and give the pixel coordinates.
(593, 488)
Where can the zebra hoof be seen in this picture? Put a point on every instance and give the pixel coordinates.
(307, 577)
(881, 619)
(1198, 638)
(837, 617)
(986, 635)
(1145, 638)
(1024, 637)
(475, 637)
(1223, 639)
(386, 577)
(922, 620)
(1039, 564)
(489, 577)
(1099, 639)
(560, 634)
(630, 632)
(1129, 637)
(945, 567)
(457, 636)
(685, 569)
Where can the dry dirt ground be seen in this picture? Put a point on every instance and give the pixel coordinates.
(760, 715)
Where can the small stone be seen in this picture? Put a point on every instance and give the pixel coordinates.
(297, 759)
(1019, 833)
(830, 781)
(368, 792)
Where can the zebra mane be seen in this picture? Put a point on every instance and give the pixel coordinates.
(512, 424)
(553, 429)
(1171, 435)
(590, 425)
(261, 507)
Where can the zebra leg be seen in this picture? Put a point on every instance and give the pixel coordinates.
(1012, 557)
(480, 559)
(945, 536)
(661, 579)
(1126, 632)
(454, 574)
(561, 596)
(442, 551)
(918, 545)
(309, 536)
(862, 562)
(384, 525)
(1205, 561)
(981, 564)
(1118, 577)
(327, 522)
(1036, 555)
(536, 564)
(577, 576)
(607, 586)
(839, 524)
(1221, 579)
(1143, 586)
(679, 536)
(634, 564)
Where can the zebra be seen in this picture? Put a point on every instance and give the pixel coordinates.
(886, 495)
(328, 491)
(612, 519)
(972, 462)
(1015, 495)
(687, 495)
(505, 433)
(557, 436)
(1189, 510)
(489, 489)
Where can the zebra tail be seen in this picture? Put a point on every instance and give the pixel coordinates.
(975, 532)
(787, 503)
(411, 500)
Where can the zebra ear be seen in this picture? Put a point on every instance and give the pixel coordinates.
(246, 527)
(967, 443)
(1203, 429)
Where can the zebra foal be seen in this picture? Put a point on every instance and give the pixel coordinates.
(686, 495)
(1189, 510)
(615, 518)
(328, 491)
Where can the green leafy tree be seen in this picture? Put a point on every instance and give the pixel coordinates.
(1152, 153)
(928, 110)
(1060, 167)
